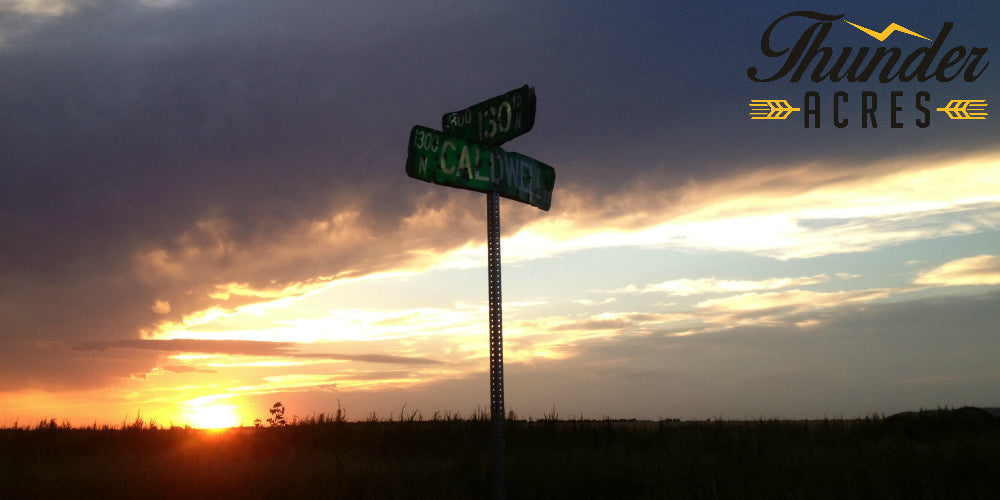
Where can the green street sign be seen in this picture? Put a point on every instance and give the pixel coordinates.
(452, 161)
(494, 121)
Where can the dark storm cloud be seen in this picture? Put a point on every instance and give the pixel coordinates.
(203, 135)
(124, 127)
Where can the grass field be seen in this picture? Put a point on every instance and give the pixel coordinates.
(940, 454)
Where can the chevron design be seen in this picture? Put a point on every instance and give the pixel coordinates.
(965, 109)
(890, 29)
(770, 109)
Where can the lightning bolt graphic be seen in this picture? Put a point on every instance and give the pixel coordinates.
(890, 29)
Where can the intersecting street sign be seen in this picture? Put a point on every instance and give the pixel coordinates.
(451, 161)
(467, 155)
(494, 121)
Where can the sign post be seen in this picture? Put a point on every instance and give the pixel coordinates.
(496, 345)
(467, 156)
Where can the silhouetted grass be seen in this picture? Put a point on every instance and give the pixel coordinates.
(945, 454)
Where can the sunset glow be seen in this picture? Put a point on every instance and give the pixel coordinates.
(200, 219)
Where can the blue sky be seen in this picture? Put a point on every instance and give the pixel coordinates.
(204, 210)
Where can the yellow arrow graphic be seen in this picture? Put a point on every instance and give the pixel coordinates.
(770, 109)
(966, 109)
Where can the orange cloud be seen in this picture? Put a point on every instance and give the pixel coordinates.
(160, 307)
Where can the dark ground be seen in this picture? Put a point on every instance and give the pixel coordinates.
(939, 454)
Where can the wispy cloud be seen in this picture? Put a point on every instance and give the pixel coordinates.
(979, 270)
(39, 7)
(185, 369)
(686, 287)
(778, 307)
(246, 347)
(803, 212)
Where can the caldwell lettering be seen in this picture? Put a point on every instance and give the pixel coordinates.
(856, 66)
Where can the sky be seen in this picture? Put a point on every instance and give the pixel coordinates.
(204, 210)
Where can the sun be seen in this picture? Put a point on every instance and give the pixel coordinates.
(213, 417)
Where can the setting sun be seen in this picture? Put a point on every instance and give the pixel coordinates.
(213, 417)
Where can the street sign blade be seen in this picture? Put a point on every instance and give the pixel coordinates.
(448, 160)
(494, 121)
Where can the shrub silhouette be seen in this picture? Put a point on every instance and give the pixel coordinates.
(277, 415)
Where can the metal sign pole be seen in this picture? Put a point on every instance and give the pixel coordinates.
(446, 158)
(496, 344)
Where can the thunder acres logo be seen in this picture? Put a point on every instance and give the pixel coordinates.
(810, 59)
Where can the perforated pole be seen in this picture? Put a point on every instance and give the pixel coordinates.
(496, 345)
